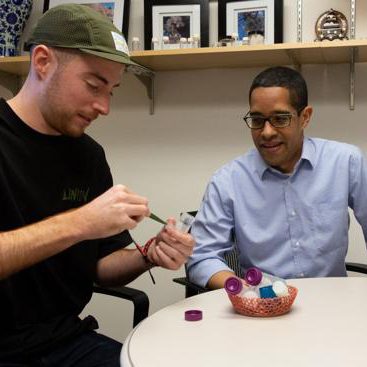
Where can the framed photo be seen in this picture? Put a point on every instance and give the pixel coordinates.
(251, 16)
(175, 19)
(117, 10)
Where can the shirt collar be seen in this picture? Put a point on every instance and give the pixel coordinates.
(308, 155)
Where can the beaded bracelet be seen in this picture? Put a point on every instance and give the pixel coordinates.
(144, 253)
(144, 250)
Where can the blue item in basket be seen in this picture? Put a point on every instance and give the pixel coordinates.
(260, 280)
(267, 292)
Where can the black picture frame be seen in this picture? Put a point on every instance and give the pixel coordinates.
(277, 19)
(124, 4)
(148, 18)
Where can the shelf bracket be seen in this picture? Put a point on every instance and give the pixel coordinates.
(352, 19)
(297, 65)
(146, 76)
(299, 20)
(11, 81)
(352, 77)
(353, 55)
(148, 82)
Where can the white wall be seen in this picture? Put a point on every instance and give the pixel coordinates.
(197, 127)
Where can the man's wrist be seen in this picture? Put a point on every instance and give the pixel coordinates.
(144, 252)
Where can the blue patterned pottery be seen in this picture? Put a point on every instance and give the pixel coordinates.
(13, 16)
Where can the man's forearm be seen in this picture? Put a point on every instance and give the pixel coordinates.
(218, 279)
(29, 245)
(121, 267)
(112, 212)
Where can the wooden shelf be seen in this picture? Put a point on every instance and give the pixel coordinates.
(326, 52)
(17, 65)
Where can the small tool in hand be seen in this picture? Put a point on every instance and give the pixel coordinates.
(157, 219)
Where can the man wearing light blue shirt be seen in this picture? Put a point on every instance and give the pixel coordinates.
(286, 202)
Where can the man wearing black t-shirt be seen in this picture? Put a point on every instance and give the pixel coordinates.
(63, 225)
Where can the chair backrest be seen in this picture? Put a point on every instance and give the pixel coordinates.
(233, 261)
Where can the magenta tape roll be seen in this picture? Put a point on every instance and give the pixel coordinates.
(193, 315)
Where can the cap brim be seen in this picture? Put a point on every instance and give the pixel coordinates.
(117, 58)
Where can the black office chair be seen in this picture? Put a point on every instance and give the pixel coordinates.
(232, 260)
(356, 267)
(137, 297)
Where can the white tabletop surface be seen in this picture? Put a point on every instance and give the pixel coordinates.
(327, 326)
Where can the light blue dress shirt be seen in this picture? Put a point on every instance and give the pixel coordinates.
(292, 226)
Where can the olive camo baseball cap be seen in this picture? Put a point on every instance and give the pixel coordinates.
(80, 27)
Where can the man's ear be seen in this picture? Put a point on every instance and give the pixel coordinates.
(43, 61)
(306, 116)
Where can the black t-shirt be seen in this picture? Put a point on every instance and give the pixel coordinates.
(41, 175)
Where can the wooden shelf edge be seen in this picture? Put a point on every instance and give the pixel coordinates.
(6, 59)
(254, 48)
(249, 56)
(229, 57)
(17, 65)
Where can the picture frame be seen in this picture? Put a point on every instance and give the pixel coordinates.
(117, 10)
(175, 19)
(241, 17)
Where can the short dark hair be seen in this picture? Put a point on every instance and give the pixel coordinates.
(280, 76)
(63, 55)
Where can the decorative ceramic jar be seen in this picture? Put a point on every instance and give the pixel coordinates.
(13, 16)
(255, 37)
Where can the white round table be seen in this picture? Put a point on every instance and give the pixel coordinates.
(327, 326)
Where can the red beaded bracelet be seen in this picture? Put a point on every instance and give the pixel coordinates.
(144, 250)
(144, 253)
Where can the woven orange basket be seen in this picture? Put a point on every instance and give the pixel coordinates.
(264, 307)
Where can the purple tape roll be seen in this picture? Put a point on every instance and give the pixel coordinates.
(193, 315)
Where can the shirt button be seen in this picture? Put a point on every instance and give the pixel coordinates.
(293, 213)
(297, 243)
(301, 275)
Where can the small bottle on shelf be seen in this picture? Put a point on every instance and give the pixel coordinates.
(183, 42)
(135, 44)
(196, 41)
(165, 43)
(189, 42)
(244, 41)
(155, 44)
(234, 37)
(255, 38)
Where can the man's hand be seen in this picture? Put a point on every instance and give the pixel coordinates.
(171, 248)
(112, 212)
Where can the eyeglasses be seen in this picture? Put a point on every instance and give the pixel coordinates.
(278, 120)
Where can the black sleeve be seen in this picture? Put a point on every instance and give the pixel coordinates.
(111, 244)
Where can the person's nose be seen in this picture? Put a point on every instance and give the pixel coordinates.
(102, 105)
(268, 130)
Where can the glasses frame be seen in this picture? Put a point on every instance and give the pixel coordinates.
(268, 118)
